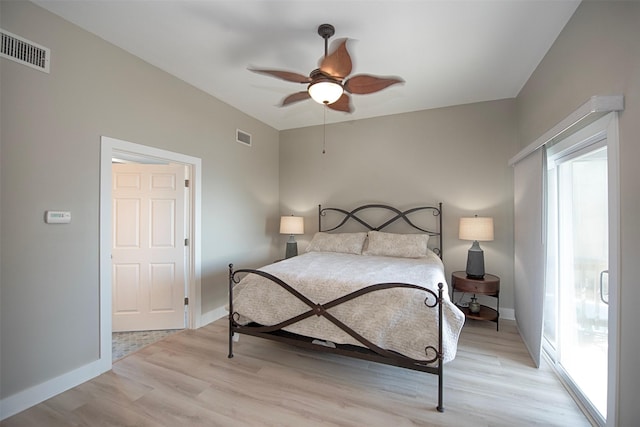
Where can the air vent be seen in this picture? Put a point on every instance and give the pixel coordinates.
(243, 137)
(24, 51)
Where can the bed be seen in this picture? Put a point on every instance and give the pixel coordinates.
(370, 294)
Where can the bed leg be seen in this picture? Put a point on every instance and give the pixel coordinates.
(230, 345)
(440, 407)
(440, 353)
(230, 340)
(230, 311)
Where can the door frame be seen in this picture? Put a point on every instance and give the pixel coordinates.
(109, 147)
(605, 127)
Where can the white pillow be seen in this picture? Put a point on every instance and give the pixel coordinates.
(397, 245)
(348, 243)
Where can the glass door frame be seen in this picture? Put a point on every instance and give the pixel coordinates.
(559, 219)
(602, 132)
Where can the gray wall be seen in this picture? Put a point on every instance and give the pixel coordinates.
(598, 53)
(50, 143)
(456, 155)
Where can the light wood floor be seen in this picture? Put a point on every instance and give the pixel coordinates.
(187, 380)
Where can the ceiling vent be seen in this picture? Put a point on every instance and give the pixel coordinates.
(25, 52)
(243, 137)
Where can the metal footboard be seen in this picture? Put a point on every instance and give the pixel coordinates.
(433, 362)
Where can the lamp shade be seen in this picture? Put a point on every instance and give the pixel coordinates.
(477, 228)
(325, 91)
(291, 225)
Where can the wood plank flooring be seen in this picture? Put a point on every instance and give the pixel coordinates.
(187, 380)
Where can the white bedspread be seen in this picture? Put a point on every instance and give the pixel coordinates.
(393, 319)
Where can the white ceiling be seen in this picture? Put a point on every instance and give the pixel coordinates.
(448, 52)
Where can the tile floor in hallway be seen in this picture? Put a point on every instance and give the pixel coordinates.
(125, 343)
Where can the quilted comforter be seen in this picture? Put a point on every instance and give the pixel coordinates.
(394, 319)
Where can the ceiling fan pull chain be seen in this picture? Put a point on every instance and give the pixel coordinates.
(324, 129)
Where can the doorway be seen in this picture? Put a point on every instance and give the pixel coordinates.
(135, 153)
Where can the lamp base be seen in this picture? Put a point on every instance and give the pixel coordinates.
(292, 249)
(475, 262)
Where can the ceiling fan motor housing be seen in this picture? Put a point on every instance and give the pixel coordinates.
(318, 75)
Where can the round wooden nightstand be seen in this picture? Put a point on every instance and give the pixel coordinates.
(490, 286)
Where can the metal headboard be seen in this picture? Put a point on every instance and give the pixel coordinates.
(397, 215)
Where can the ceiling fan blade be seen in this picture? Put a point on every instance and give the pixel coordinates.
(338, 63)
(295, 97)
(284, 75)
(342, 104)
(363, 84)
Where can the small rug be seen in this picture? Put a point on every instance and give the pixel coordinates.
(125, 343)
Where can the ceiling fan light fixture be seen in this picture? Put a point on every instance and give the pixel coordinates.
(325, 91)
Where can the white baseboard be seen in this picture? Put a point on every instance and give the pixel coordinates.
(213, 315)
(32, 396)
(507, 313)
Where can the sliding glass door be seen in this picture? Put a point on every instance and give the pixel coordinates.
(576, 297)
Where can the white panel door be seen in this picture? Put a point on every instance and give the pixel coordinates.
(148, 253)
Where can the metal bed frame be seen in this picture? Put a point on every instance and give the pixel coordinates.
(369, 351)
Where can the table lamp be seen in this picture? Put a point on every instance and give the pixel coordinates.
(291, 225)
(478, 229)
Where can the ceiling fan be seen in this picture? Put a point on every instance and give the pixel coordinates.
(327, 84)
